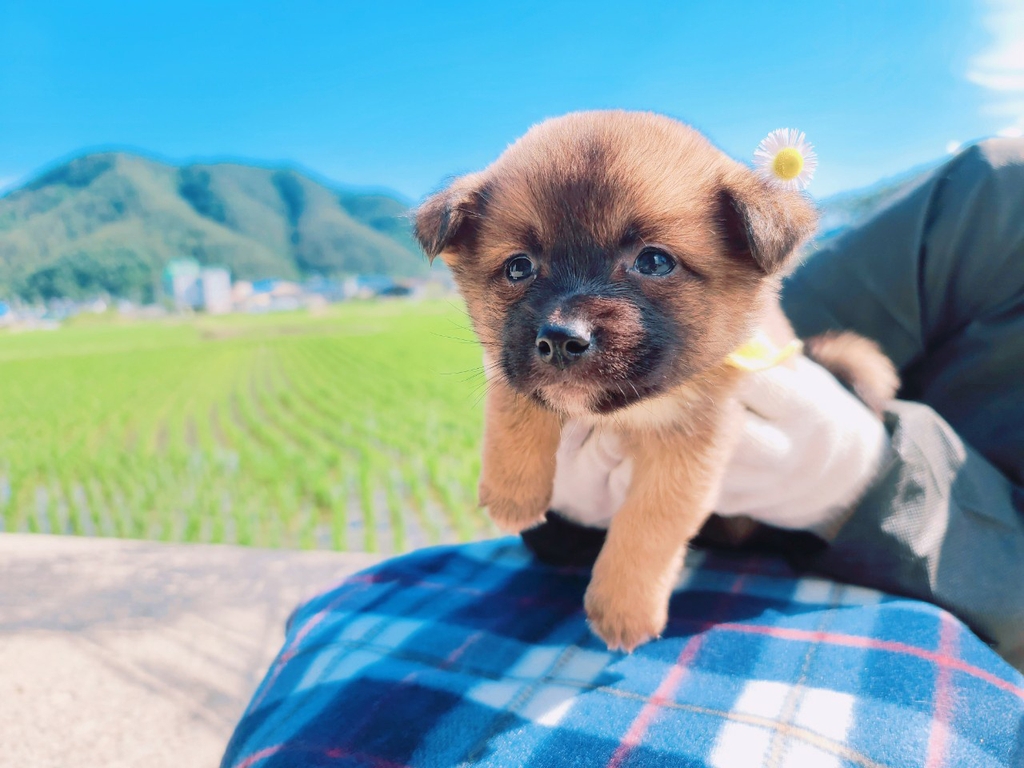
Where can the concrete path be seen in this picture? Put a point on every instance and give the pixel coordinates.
(124, 653)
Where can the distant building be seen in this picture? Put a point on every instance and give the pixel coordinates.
(326, 288)
(286, 289)
(350, 288)
(240, 292)
(271, 295)
(215, 290)
(266, 285)
(181, 283)
(370, 286)
(193, 287)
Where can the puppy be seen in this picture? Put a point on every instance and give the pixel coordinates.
(610, 263)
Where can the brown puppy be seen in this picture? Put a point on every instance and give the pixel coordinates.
(610, 262)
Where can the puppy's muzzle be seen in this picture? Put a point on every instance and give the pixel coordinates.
(563, 345)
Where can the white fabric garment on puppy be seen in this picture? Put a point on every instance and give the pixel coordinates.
(591, 475)
(807, 451)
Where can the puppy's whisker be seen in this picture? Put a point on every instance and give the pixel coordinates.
(475, 369)
(472, 342)
(644, 404)
(572, 430)
(486, 390)
(481, 383)
(458, 307)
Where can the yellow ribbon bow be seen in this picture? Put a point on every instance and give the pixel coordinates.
(761, 353)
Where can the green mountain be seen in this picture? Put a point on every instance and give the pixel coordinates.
(845, 209)
(111, 221)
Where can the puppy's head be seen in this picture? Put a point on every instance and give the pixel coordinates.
(607, 257)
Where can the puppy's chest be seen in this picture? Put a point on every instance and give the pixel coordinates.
(689, 408)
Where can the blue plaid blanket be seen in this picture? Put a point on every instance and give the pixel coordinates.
(479, 655)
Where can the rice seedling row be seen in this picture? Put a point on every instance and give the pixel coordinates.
(357, 429)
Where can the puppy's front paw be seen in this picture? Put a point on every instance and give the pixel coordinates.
(623, 620)
(513, 515)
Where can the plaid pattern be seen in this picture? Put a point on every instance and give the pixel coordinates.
(479, 655)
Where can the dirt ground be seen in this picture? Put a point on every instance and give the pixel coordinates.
(125, 653)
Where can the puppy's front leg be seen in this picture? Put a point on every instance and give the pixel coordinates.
(518, 472)
(674, 476)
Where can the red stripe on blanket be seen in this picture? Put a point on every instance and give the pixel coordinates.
(340, 753)
(667, 687)
(255, 757)
(939, 733)
(661, 696)
(332, 753)
(870, 643)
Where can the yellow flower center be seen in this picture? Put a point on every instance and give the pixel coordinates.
(787, 164)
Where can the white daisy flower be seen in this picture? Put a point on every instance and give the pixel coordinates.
(786, 158)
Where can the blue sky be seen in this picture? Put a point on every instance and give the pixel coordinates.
(401, 95)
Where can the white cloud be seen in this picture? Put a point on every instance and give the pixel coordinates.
(999, 68)
(953, 146)
(1007, 106)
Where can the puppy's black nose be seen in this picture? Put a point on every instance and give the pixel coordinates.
(561, 346)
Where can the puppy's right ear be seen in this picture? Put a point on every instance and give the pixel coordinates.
(763, 223)
(446, 220)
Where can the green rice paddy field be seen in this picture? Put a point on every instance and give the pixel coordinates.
(354, 429)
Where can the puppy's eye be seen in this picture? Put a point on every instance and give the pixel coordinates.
(654, 263)
(519, 267)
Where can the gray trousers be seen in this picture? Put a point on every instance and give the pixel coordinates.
(937, 278)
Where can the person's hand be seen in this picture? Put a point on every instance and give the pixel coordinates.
(807, 450)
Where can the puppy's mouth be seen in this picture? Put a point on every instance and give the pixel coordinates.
(578, 396)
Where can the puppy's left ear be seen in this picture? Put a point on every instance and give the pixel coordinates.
(762, 222)
(446, 220)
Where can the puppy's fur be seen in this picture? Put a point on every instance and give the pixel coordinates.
(582, 197)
